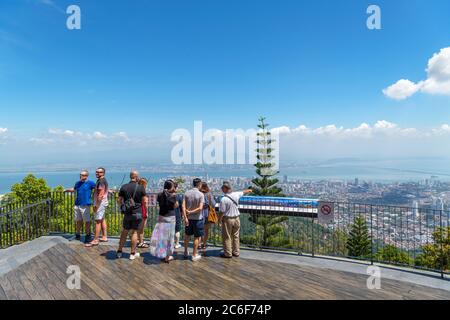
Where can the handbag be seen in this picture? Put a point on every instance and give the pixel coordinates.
(212, 215)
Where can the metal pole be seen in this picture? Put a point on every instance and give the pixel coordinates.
(312, 236)
(9, 231)
(371, 236)
(442, 244)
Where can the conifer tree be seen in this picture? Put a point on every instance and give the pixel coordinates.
(266, 185)
(359, 241)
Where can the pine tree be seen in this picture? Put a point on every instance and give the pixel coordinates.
(359, 241)
(266, 185)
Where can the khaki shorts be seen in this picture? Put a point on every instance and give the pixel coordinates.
(101, 210)
(82, 213)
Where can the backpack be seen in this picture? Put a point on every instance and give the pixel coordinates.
(129, 204)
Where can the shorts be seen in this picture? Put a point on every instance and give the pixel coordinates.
(131, 223)
(82, 213)
(101, 210)
(196, 228)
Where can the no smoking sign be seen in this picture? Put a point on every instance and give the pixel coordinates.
(326, 212)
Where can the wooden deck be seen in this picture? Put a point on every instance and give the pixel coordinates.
(105, 277)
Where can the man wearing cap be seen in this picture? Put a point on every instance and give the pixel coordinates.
(229, 220)
(83, 202)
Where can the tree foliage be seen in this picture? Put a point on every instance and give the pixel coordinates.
(268, 227)
(30, 190)
(359, 241)
(265, 183)
(436, 255)
(390, 253)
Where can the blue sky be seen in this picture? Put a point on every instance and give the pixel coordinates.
(149, 67)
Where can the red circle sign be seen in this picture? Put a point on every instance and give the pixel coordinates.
(326, 209)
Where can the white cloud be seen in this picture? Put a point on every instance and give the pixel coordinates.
(437, 82)
(384, 125)
(99, 136)
(78, 138)
(402, 89)
(41, 141)
(442, 130)
(3, 130)
(64, 133)
(122, 135)
(364, 130)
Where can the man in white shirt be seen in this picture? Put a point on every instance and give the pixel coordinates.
(229, 220)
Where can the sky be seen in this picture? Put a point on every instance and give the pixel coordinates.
(136, 71)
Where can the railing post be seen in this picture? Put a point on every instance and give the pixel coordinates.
(442, 244)
(312, 237)
(371, 236)
(9, 228)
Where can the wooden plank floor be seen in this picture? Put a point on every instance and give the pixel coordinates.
(105, 277)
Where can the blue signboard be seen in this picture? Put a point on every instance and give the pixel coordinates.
(276, 205)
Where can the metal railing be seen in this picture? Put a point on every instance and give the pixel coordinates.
(418, 238)
(20, 222)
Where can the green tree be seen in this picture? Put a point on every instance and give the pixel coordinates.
(390, 253)
(436, 255)
(269, 227)
(265, 183)
(30, 190)
(181, 183)
(359, 241)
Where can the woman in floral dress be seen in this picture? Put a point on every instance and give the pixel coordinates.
(163, 238)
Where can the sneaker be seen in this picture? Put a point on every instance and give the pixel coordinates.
(134, 256)
(196, 257)
(177, 246)
(77, 236)
(119, 254)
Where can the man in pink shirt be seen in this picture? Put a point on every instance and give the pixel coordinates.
(100, 205)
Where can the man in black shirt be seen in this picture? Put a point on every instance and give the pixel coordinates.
(131, 198)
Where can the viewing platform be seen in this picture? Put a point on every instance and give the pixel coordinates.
(38, 270)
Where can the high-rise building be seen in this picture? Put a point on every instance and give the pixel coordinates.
(438, 204)
(416, 208)
(285, 179)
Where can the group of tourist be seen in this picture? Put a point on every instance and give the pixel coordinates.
(196, 209)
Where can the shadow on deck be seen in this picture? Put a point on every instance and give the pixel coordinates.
(105, 277)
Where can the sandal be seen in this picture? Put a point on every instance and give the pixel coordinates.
(91, 244)
(101, 240)
(143, 245)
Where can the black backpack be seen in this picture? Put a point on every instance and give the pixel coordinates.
(129, 204)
